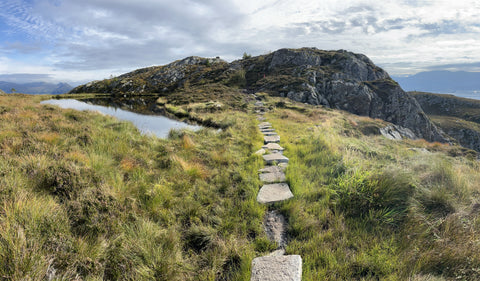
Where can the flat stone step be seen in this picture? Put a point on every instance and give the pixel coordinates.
(277, 268)
(260, 118)
(264, 124)
(265, 127)
(270, 139)
(275, 158)
(275, 192)
(272, 177)
(269, 133)
(273, 146)
(272, 169)
(269, 129)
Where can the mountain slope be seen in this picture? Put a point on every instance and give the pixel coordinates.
(36, 88)
(336, 79)
(458, 117)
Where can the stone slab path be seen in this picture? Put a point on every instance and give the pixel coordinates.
(270, 139)
(272, 169)
(273, 146)
(271, 193)
(273, 177)
(276, 266)
(275, 158)
(267, 130)
(269, 133)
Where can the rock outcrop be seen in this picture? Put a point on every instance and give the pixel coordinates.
(341, 80)
(337, 79)
(160, 79)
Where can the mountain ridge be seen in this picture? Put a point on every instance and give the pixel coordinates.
(441, 81)
(35, 88)
(336, 79)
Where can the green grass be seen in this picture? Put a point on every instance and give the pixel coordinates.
(367, 208)
(85, 196)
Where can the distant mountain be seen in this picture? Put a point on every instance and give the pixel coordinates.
(35, 88)
(441, 81)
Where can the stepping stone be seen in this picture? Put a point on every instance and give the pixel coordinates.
(267, 130)
(269, 133)
(259, 118)
(273, 177)
(273, 146)
(275, 157)
(264, 124)
(272, 169)
(275, 192)
(277, 268)
(270, 139)
(260, 152)
(265, 127)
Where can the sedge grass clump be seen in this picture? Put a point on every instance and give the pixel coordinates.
(380, 199)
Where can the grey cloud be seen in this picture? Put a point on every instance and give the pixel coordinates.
(444, 27)
(126, 55)
(106, 35)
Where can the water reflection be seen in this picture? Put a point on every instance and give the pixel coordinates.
(147, 124)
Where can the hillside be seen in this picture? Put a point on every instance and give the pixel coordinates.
(458, 117)
(36, 88)
(87, 197)
(336, 79)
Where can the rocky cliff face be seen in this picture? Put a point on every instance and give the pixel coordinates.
(337, 79)
(342, 80)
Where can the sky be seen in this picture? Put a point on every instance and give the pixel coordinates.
(77, 41)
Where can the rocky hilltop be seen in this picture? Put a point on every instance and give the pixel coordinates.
(336, 79)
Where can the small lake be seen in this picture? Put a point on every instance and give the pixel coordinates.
(147, 124)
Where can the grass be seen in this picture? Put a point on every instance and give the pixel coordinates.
(87, 197)
(367, 208)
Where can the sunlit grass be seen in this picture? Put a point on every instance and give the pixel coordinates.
(86, 196)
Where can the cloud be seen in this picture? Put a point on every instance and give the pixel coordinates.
(102, 37)
(472, 67)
